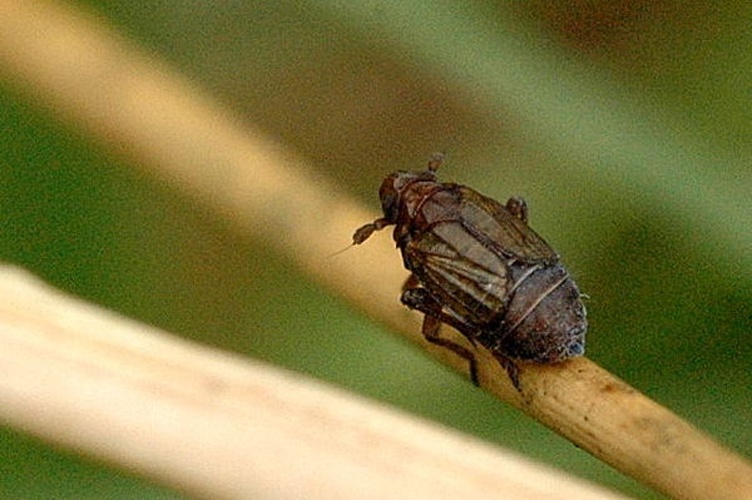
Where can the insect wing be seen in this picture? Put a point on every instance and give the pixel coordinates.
(469, 279)
(496, 227)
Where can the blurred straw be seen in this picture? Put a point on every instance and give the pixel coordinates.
(65, 61)
(213, 425)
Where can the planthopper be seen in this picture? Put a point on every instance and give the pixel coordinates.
(477, 266)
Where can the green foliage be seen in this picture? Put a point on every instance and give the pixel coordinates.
(629, 137)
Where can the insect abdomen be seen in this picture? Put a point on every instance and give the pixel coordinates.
(545, 318)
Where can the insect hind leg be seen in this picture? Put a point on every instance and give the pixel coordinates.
(511, 368)
(420, 300)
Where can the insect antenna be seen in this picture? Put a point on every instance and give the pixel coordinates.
(342, 250)
(362, 234)
(435, 161)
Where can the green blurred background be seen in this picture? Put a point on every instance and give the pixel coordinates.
(626, 125)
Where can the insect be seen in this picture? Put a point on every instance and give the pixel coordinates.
(477, 266)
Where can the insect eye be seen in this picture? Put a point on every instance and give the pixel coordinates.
(389, 195)
(389, 204)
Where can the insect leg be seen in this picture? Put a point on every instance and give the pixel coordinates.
(420, 300)
(410, 282)
(518, 207)
(510, 367)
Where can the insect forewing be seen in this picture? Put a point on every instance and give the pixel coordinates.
(469, 278)
(496, 227)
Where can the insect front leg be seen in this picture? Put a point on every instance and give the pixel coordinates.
(420, 300)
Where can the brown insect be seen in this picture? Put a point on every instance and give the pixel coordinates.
(477, 266)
